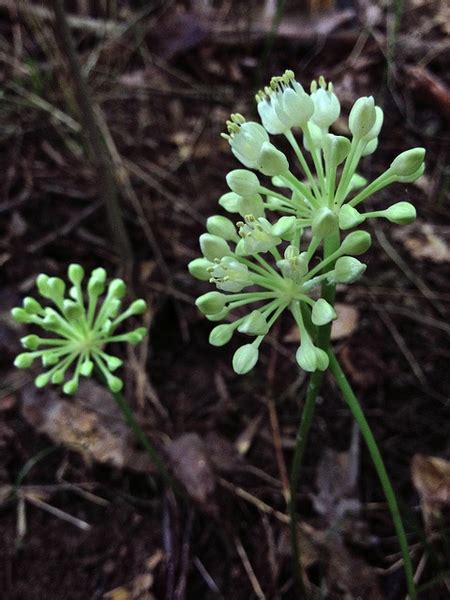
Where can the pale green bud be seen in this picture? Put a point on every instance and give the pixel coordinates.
(198, 268)
(211, 303)
(335, 149)
(413, 176)
(285, 227)
(370, 148)
(42, 285)
(251, 205)
(136, 336)
(245, 358)
(49, 359)
(42, 380)
(376, 128)
(86, 368)
(401, 213)
(306, 356)
(356, 243)
(24, 360)
(96, 284)
(213, 246)
(113, 363)
(272, 161)
(230, 202)
(322, 360)
(348, 269)
(220, 316)
(56, 287)
(137, 307)
(72, 310)
(221, 334)
(21, 315)
(408, 162)
(30, 342)
(324, 223)
(117, 289)
(254, 324)
(322, 312)
(362, 117)
(356, 182)
(114, 383)
(32, 306)
(243, 182)
(70, 387)
(221, 227)
(349, 217)
(57, 377)
(75, 274)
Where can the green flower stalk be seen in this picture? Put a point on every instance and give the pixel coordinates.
(83, 323)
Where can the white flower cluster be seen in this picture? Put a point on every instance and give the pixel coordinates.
(323, 199)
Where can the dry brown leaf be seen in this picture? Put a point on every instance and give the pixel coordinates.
(89, 423)
(425, 241)
(431, 478)
(346, 322)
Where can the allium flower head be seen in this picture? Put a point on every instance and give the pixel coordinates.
(82, 323)
(264, 262)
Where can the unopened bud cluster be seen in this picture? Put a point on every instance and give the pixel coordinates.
(81, 323)
(262, 253)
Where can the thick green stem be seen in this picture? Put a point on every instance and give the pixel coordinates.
(323, 339)
(372, 446)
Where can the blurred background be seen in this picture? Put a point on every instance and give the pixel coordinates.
(111, 155)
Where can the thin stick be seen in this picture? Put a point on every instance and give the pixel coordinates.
(107, 186)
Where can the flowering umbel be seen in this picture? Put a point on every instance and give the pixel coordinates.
(82, 325)
(262, 254)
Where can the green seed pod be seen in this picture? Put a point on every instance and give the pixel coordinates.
(243, 182)
(245, 358)
(356, 243)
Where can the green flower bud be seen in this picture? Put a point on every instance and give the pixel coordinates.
(243, 182)
(136, 336)
(335, 149)
(272, 161)
(370, 148)
(285, 227)
(114, 383)
(86, 368)
(72, 310)
(413, 176)
(356, 243)
(138, 307)
(324, 223)
(96, 284)
(356, 182)
(218, 316)
(198, 268)
(245, 358)
(322, 360)
(401, 213)
(306, 356)
(221, 334)
(221, 227)
(348, 269)
(211, 303)
(49, 359)
(113, 363)
(57, 377)
(254, 324)
(32, 306)
(117, 289)
(24, 360)
(349, 217)
(362, 117)
(376, 128)
(70, 387)
(213, 246)
(31, 342)
(230, 202)
(322, 312)
(75, 274)
(21, 315)
(42, 285)
(407, 163)
(56, 287)
(251, 205)
(42, 380)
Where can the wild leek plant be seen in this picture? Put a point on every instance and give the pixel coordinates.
(287, 253)
(81, 324)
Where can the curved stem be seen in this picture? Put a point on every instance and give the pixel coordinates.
(375, 455)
